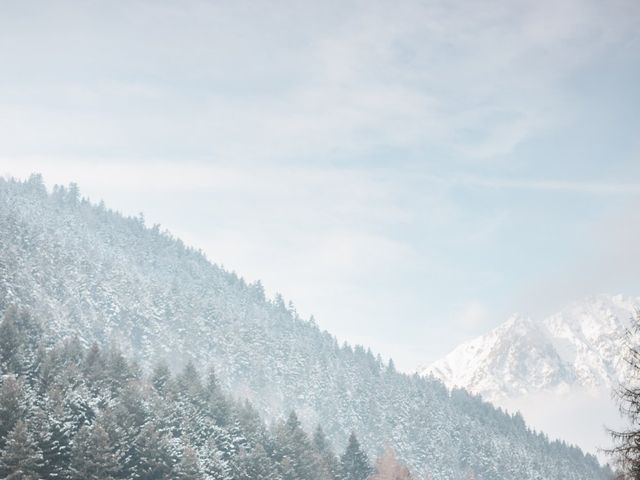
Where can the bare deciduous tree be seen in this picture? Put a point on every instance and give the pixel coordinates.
(389, 468)
(627, 442)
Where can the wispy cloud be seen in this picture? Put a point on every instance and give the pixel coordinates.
(569, 186)
(214, 80)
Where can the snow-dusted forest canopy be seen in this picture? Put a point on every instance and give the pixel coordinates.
(68, 412)
(87, 275)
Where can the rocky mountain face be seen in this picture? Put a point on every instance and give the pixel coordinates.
(87, 272)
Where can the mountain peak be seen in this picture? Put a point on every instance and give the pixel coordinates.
(553, 369)
(576, 346)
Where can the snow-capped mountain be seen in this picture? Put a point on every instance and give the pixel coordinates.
(559, 371)
(578, 346)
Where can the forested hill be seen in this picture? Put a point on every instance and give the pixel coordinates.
(92, 273)
(74, 413)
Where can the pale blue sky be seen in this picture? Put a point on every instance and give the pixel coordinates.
(409, 172)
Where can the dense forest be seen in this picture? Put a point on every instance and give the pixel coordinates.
(109, 281)
(68, 412)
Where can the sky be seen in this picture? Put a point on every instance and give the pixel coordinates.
(409, 173)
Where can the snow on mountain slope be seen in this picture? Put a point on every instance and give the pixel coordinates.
(578, 346)
(558, 371)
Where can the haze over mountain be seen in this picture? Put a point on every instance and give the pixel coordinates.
(86, 271)
(559, 370)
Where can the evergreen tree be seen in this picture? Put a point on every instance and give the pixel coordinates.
(251, 424)
(188, 382)
(119, 371)
(218, 406)
(189, 467)
(354, 463)
(95, 369)
(254, 463)
(160, 377)
(294, 451)
(12, 405)
(92, 455)
(213, 465)
(21, 458)
(151, 458)
(326, 461)
(53, 442)
(10, 340)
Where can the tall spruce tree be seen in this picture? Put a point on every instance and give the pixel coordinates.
(92, 456)
(254, 463)
(160, 377)
(354, 462)
(327, 463)
(52, 441)
(12, 405)
(295, 454)
(151, 457)
(21, 458)
(218, 405)
(9, 342)
(189, 467)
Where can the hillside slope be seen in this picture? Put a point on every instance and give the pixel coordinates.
(105, 278)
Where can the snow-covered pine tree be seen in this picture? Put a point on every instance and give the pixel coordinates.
(92, 455)
(189, 467)
(160, 377)
(354, 462)
(12, 405)
(9, 341)
(294, 451)
(255, 463)
(151, 455)
(326, 460)
(21, 459)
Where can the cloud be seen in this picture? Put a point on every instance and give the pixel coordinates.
(473, 316)
(569, 186)
(605, 261)
(294, 81)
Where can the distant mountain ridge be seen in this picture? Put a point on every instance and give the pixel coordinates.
(89, 272)
(558, 371)
(578, 346)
